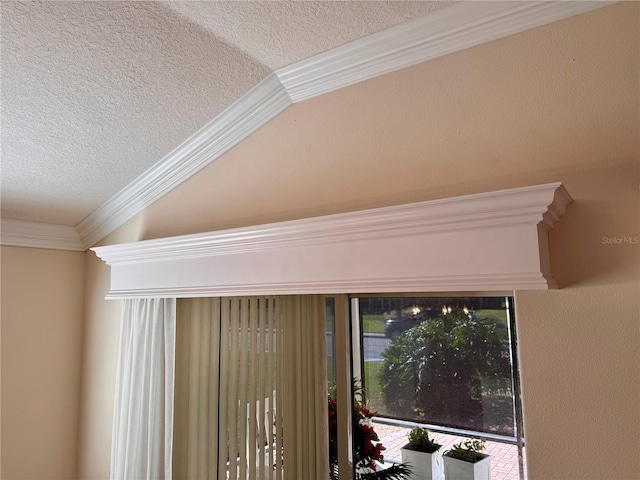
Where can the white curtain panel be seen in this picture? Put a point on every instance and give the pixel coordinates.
(143, 413)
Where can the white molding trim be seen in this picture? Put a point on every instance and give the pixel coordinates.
(241, 119)
(463, 283)
(447, 30)
(483, 242)
(18, 233)
(534, 205)
(450, 29)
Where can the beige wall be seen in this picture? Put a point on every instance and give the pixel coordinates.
(99, 363)
(580, 345)
(559, 103)
(42, 296)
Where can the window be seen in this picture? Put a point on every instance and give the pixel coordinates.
(446, 362)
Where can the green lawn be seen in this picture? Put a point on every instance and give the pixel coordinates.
(373, 323)
(501, 314)
(372, 380)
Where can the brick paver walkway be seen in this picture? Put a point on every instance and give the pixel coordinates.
(504, 457)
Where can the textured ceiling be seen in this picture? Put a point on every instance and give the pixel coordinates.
(95, 93)
(280, 33)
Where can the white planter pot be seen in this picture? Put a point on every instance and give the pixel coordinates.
(424, 466)
(455, 469)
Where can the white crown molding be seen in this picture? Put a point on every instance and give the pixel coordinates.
(483, 242)
(540, 204)
(447, 30)
(18, 233)
(241, 119)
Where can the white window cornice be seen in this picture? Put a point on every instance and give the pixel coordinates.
(488, 241)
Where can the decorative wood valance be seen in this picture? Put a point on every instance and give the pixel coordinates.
(486, 242)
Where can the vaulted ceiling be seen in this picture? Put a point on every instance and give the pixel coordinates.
(95, 95)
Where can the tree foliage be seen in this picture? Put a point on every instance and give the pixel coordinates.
(434, 372)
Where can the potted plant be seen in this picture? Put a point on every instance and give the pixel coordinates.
(424, 455)
(465, 462)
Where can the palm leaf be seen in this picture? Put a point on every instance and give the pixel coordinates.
(399, 471)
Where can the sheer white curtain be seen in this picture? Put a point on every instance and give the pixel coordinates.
(143, 414)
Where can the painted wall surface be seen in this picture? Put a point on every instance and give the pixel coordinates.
(558, 103)
(42, 297)
(99, 362)
(580, 345)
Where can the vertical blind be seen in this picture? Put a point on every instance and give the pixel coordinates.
(251, 391)
(195, 441)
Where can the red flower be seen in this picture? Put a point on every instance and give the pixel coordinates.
(364, 435)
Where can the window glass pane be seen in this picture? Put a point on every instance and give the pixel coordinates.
(330, 309)
(440, 360)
